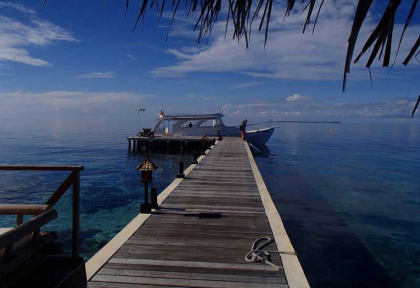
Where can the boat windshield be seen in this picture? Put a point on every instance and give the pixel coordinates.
(167, 123)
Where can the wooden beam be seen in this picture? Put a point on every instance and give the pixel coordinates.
(61, 190)
(41, 168)
(27, 228)
(22, 209)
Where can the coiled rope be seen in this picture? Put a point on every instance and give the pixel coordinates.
(257, 254)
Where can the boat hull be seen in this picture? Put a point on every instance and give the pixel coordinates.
(259, 137)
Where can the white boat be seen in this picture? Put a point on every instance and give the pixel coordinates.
(210, 125)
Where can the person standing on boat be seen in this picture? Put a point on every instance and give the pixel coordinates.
(242, 128)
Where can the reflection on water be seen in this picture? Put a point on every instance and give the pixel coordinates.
(349, 200)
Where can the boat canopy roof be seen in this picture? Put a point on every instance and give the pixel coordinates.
(192, 117)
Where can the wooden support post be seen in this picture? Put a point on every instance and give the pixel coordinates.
(76, 213)
(129, 145)
(19, 219)
(181, 170)
(195, 158)
(153, 198)
(146, 207)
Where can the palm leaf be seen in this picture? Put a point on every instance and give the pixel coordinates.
(360, 15)
(382, 35)
(410, 15)
(415, 107)
(412, 51)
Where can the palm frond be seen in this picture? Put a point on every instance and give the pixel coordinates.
(141, 13)
(208, 16)
(410, 15)
(360, 16)
(415, 107)
(412, 52)
(317, 15)
(382, 35)
(290, 4)
(311, 5)
(127, 3)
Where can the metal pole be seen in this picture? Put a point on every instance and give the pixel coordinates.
(76, 213)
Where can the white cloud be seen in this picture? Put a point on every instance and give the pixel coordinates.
(297, 98)
(100, 75)
(247, 85)
(17, 38)
(58, 100)
(284, 110)
(16, 6)
(289, 54)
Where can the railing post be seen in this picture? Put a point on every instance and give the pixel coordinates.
(76, 213)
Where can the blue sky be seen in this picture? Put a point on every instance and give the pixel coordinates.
(81, 59)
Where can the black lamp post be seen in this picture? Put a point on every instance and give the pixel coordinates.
(146, 167)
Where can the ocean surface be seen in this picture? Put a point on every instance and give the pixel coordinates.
(349, 193)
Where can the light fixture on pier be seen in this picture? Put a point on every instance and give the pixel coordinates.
(146, 167)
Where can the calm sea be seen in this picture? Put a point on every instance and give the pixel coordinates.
(349, 193)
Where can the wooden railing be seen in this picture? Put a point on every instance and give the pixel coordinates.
(26, 209)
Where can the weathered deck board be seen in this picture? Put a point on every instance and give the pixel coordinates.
(201, 233)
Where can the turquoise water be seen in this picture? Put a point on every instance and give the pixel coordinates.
(111, 193)
(349, 194)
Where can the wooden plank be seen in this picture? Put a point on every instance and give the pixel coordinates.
(203, 270)
(194, 254)
(182, 282)
(40, 168)
(195, 276)
(122, 285)
(196, 228)
(22, 209)
(185, 206)
(27, 228)
(243, 267)
(201, 233)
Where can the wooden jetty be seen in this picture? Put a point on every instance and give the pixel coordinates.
(205, 225)
(136, 143)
